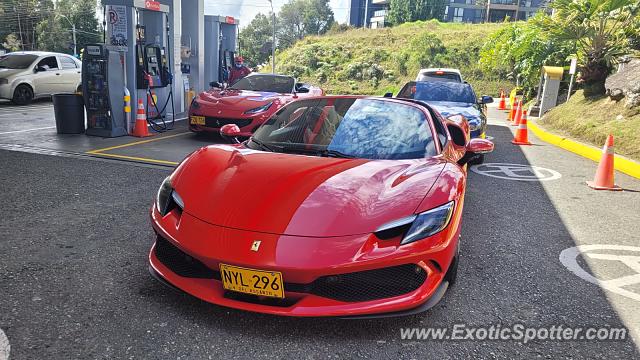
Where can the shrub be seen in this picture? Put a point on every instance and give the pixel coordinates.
(423, 49)
(293, 70)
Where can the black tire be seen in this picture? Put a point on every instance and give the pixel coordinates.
(477, 160)
(22, 95)
(452, 272)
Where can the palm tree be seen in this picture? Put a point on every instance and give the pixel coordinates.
(600, 30)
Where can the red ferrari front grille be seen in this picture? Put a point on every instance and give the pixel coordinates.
(216, 122)
(350, 287)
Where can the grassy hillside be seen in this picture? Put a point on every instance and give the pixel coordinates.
(375, 61)
(591, 120)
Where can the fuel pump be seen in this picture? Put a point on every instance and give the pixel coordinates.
(221, 39)
(152, 72)
(226, 63)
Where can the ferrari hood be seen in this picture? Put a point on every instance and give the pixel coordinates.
(446, 108)
(301, 195)
(237, 99)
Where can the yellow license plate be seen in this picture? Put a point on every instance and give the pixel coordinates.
(197, 120)
(251, 281)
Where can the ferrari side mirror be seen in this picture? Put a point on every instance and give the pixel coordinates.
(215, 84)
(230, 132)
(388, 95)
(479, 146)
(475, 147)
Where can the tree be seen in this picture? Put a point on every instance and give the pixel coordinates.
(255, 40)
(600, 30)
(520, 49)
(12, 43)
(299, 18)
(318, 17)
(20, 17)
(402, 11)
(291, 23)
(55, 34)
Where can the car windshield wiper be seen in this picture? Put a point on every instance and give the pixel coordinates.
(317, 152)
(301, 150)
(263, 146)
(335, 153)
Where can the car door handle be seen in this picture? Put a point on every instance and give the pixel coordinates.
(57, 73)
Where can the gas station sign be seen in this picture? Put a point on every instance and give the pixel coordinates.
(152, 5)
(117, 27)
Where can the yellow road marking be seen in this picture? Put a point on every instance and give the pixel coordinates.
(98, 151)
(134, 158)
(620, 163)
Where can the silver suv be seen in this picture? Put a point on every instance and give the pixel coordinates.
(27, 75)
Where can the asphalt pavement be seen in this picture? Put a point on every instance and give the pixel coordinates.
(75, 235)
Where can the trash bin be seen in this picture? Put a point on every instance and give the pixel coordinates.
(69, 113)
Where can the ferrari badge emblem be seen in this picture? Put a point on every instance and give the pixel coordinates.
(256, 245)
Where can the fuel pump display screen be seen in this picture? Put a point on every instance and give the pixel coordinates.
(152, 59)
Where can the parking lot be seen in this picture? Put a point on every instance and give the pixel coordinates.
(539, 248)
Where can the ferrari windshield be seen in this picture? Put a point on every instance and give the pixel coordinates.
(268, 83)
(438, 91)
(17, 61)
(347, 127)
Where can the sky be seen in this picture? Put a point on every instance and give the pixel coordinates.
(246, 10)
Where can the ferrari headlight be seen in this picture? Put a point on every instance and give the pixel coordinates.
(429, 223)
(260, 109)
(164, 196)
(167, 198)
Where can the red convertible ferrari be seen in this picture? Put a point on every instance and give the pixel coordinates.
(248, 103)
(343, 206)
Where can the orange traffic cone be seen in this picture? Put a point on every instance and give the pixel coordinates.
(522, 134)
(502, 105)
(140, 128)
(512, 113)
(604, 175)
(517, 117)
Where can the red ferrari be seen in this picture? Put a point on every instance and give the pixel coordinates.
(248, 103)
(344, 206)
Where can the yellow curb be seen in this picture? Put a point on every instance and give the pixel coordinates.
(621, 164)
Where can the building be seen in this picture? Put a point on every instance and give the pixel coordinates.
(379, 15)
(472, 11)
(373, 13)
(369, 10)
